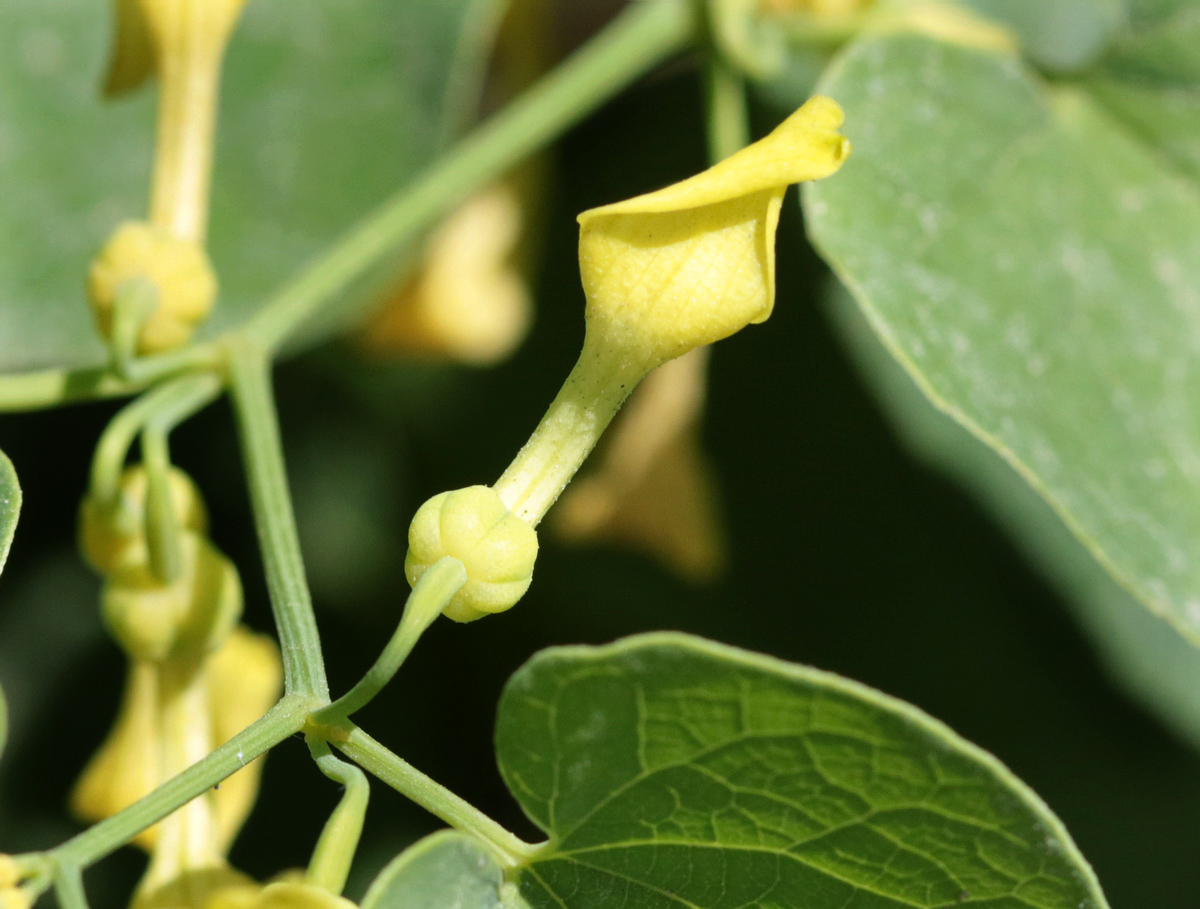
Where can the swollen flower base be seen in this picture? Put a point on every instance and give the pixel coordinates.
(664, 273)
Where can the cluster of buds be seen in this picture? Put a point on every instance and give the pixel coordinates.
(152, 283)
(195, 679)
(664, 273)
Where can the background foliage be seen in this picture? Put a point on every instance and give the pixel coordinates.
(849, 553)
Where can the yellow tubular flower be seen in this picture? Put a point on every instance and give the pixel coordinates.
(469, 301)
(184, 619)
(189, 38)
(693, 263)
(232, 688)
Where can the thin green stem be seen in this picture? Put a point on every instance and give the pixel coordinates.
(648, 32)
(162, 533)
(284, 719)
(178, 399)
(728, 119)
(331, 859)
(429, 597)
(430, 795)
(266, 474)
(162, 528)
(54, 387)
(135, 301)
(68, 887)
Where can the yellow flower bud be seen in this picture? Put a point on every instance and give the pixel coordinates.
(14, 898)
(108, 530)
(298, 895)
(10, 871)
(206, 887)
(693, 263)
(496, 547)
(187, 617)
(178, 271)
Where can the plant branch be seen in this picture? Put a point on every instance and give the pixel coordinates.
(330, 863)
(512, 851)
(284, 719)
(433, 591)
(266, 474)
(648, 32)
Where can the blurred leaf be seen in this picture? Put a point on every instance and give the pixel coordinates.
(295, 166)
(1062, 35)
(10, 506)
(447, 870)
(670, 771)
(1151, 81)
(1037, 272)
(10, 509)
(1141, 651)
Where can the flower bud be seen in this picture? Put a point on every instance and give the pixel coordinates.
(178, 270)
(108, 530)
(690, 264)
(190, 616)
(496, 547)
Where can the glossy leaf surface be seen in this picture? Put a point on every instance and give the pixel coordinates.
(669, 771)
(1036, 269)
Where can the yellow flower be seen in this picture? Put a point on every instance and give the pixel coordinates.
(469, 301)
(652, 489)
(690, 264)
(206, 706)
(175, 271)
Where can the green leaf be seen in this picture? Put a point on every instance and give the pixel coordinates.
(10, 510)
(10, 506)
(1141, 651)
(1151, 81)
(322, 113)
(673, 772)
(1061, 35)
(1037, 272)
(446, 870)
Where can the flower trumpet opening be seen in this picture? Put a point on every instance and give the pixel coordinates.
(675, 269)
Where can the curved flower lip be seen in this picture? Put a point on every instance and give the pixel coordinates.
(675, 269)
(805, 146)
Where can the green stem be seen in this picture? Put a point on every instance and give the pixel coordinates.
(648, 32)
(433, 797)
(728, 120)
(428, 598)
(590, 397)
(135, 301)
(331, 859)
(68, 887)
(177, 399)
(284, 719)
(162, 528)
(266, 474)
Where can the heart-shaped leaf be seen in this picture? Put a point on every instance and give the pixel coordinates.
(446, 870)
(323, 110)
(1037, 271)
(672, 772)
